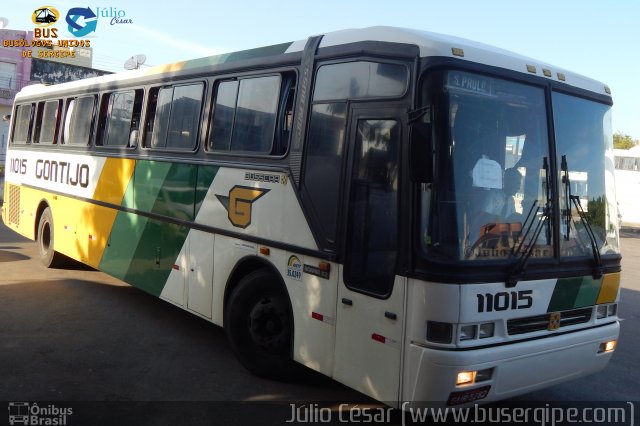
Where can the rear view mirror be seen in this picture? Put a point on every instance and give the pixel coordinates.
(421, 153)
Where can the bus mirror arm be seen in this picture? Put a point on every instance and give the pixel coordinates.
(421, 153)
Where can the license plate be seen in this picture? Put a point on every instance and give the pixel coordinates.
(463, 397)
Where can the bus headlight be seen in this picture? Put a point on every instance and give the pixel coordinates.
(487, 330)
(607, 346)
(601, 311)
(476, 331)
(471, 377)
(468, 332)
(465, 378)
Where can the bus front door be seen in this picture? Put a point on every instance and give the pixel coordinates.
(370, 311)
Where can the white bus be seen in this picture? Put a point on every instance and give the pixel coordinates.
(388, 207)
(627, 172)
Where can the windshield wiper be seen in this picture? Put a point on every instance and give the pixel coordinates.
(597, 273)
(516, 271)
(567, 194)
(575, 199)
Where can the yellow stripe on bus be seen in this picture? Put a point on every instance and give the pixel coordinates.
(81, 228)
(95, 222)
(609, 289)
(114, 180)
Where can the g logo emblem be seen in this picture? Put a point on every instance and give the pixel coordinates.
(239, 203)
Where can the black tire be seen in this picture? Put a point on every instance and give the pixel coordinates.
(45, 238)
(259, 325)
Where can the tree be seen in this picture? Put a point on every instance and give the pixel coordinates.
(623, 141)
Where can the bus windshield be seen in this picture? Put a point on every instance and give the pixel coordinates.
(587, 194)
(493, 197)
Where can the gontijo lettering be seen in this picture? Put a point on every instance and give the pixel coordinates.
(63, 172)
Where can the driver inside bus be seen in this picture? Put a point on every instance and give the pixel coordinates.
(500, 203)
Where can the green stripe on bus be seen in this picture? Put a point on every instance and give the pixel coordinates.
(203, 183)
(564, 294)
(588, 293)
(148, 183)
(126, 233)
(573, 293)
(142, 251)
(155, 255)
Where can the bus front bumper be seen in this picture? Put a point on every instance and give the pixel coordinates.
(515, 368)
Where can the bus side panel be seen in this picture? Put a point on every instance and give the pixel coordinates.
(312, 295)
(143, 251)
(256, 203)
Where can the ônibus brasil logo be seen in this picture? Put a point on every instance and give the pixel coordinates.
(27, 413)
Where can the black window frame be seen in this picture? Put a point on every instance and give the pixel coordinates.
(15, 116)
(38, 123)
(149, 111)
(366, 59)
(104, 114)
(380, 287)
(63, 133)
(319, 217)
(281, 133)
(427, 268)
(308, 198)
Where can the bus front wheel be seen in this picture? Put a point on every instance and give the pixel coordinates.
(49, 257)
(259, 325)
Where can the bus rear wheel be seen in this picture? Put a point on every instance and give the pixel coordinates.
(259, 326)
(45, 238)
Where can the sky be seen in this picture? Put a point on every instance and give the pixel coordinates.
(595, 38)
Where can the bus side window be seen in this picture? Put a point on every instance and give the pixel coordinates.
(285, 116)
(151, 116)
(78, 120)
(134, 134)
(245, 115)
(48, 122)
(174, 116)
(372, 240)
(323, 164)
(22, 127)
(223, 114)
(184, 122)
(119, 117)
